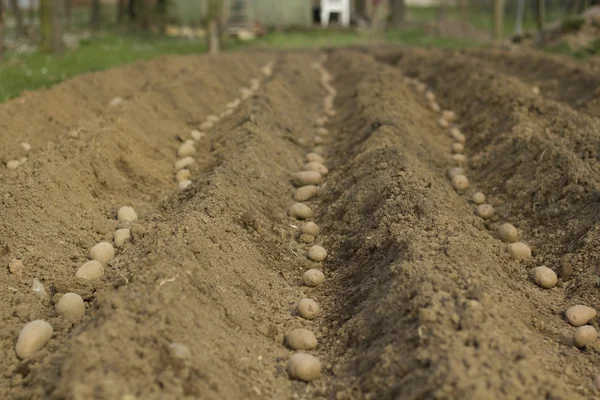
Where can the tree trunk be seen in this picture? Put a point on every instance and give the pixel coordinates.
(398, 13)
(96, 15)
(162, 16)
(440, 14)
(464, 18)
(16, 10)
(214, 15)
(32, 18)
(120, 12)
(540, 18)
(68, 14)
(52, 25)
(131, 10)
(498, 20)
(1, 30)
(519, 21)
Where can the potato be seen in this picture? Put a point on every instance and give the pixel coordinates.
(102, 252)
(535, 90)
(314, 157)
(121, 237)
(304, 367)
(310, 228)
(519, 251)
(457, 135)
(317, 253)
(254, 84)
(126, 214)
(301, 339)
(429, 95)
(234, 104)
(508, 233)
(90, 271)
(245, 93)
(180, 351)
(330, 112)
(70, 306)
(305, 193)
(308, 308)
(185, 162)
(459, 158)
(544, 277)
(316, 166)
(33, 336)
(580, 315)
(458, 148)
(183, 175)
(182, 185)
(13, 164)
(484, 211)
(26, 146)
(585, 335)
(478, 198)
(449, 116)
(206, 125)
(452, 172)
(197, 135)
(460, 182)
(313, 277)
(435, 106)
(443, 123)
(300, 211)
(304, 178)
(322, 131)
(212, 118)
(318, 140)
(186, 149)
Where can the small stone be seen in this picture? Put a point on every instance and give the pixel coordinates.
(39, 289)
(16, 267)
(33, 336)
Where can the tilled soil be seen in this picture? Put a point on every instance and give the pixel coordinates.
(421, 300)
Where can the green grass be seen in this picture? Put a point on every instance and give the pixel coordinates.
(31, 71)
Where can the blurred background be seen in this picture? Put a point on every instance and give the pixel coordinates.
(45, 41)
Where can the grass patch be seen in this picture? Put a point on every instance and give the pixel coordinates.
(36, 70)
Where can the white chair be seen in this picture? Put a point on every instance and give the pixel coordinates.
(335, 6)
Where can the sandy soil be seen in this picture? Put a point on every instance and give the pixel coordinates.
(421, 299)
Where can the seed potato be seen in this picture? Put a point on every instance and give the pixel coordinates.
(310, 228)
(508, 233)
(313, 277)
(126, 214)
(544, 277)
(308, 308)
(90, 271)
(460, 182)
(305, 193)
(300, 211)
(102, 252)
(304, 367)
(301, 339)
(304, 178)
(33, 336)
(478, 198)
(316, 166)
(519, 251)
(70, 306)
(580, 315)
(317, 253)
(585, 335)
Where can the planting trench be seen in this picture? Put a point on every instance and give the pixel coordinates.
(421, 299)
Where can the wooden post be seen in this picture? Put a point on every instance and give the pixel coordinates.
(214, 12)
(498, 20)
